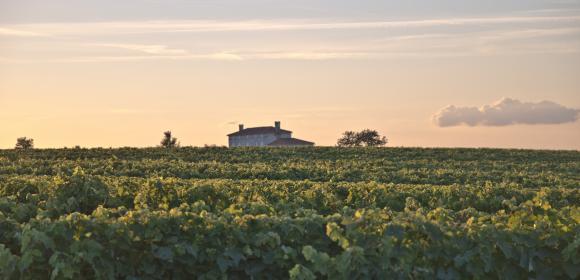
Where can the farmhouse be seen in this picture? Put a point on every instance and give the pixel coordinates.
(273, 136)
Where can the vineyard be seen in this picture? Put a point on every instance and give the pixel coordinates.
(298, 213)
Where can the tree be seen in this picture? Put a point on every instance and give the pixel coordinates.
(366, 137)
(169, 141)
(24, 143)
(348, 139)
(371, 138)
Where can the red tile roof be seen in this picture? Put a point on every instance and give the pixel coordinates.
(291, 142)
(258, 130)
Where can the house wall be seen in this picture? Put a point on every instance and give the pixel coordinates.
(256, 140)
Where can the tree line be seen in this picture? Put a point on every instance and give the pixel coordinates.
(364, 138)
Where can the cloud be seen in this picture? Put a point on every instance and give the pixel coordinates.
(19, 33)
(217, 56)
(461, 37)
(308, 55)
(220, 56)
(150, 49)
(171, 26)
(223, 56)
(507, 111)
(294, 25)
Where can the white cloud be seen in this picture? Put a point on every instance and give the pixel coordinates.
(308, 55)
(223, 56)
(150, 49)
(129, 58)
(143, 27)
(114, 41)
(217, 56)
(506, 112)
(19, 33)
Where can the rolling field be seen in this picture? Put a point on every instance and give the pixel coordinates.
(300, 213)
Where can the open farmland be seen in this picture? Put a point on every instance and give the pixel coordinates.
(300, 213)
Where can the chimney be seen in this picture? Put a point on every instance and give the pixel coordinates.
(241, 127)
(277, 125)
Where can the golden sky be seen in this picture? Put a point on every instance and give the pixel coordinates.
(78, 74)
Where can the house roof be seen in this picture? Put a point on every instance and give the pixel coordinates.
(258, 130)
(290, 142)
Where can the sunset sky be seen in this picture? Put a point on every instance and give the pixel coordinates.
(110, 73)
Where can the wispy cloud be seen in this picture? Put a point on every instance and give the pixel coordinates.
(482, 43)
(136, 27)
(432, 52)
(19, 33)
(506, 112)
(223, 56)
(530, 33)
(308, 55)
(150, 49)
(485, 36)
(158, 52)
(210, 56)
(220, 56)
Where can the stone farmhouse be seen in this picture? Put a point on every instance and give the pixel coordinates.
(272, 136)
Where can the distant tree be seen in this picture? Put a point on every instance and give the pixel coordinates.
(24, 143)
(348, 139)
(366, 137)
(371, 138)
(169, 141)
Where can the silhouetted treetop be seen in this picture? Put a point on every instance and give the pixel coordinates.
(169, 141)
(366, 137)
(24, 143)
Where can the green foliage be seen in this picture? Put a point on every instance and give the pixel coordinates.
(366, 137)
(77, 193)
(8, 262)
(24, 143)
(169, 141)
(313, 213)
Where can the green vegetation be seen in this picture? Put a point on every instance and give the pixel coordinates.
(169, 141)
(24, 143)
(366, 137)
(300, 213)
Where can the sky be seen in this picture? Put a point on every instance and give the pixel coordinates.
(447, 73)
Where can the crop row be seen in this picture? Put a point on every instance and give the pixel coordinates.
(262, 154)
(532, 240)
(83, 193)
(384, 171)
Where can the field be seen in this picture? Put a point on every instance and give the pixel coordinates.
(300, 213)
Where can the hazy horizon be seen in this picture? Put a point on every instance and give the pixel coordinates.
(500, 74)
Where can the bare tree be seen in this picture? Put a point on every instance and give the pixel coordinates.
(169, 141)
(24, 143)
